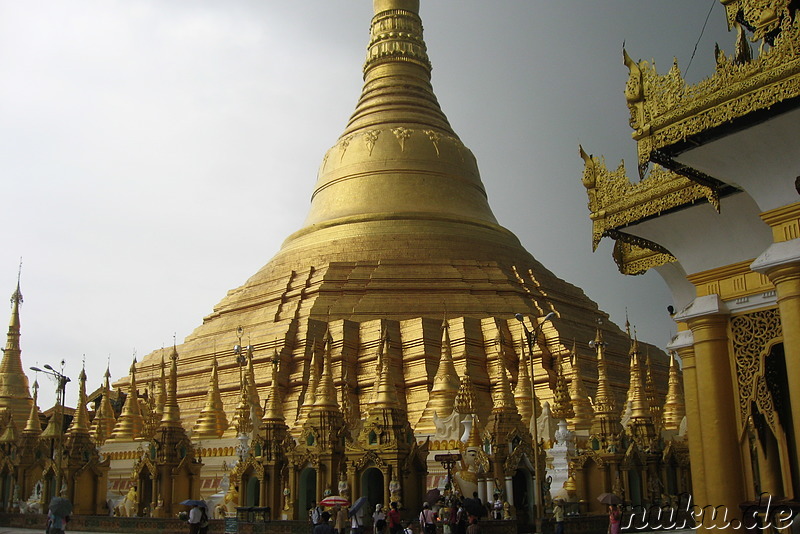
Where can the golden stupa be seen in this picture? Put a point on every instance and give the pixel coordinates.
(399, 235)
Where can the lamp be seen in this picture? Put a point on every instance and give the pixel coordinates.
(61, 380)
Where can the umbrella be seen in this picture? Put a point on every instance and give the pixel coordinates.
(609, 498)
(194, 502)
(474, 507)
(357, 505)
(432, 496)
(60, 506)
(333, 500)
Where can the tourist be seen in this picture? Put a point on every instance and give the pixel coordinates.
(473, 527)
(56, 524)
(461, 519)
(339, 517)
(324, 526)
(497, 508)
(427, 520)
(195, 517)
(407, 528)
(393, 519)
(614, 515)
(558, 516)
(378, 519)
(314, 514)
(356, 521)
(203, 520)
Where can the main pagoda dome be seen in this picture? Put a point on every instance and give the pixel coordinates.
(399, 235)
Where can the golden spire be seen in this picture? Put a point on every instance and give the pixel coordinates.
(562, 404)
(10, 433)
(14, 394)
(252, 390)
(522, 392)
(674, 406)
(80, 423)
(606, 418)
(34, 425)
(385, 393)
(171, 415)
(212, 422)
(326, 396)
(474, 438)
(640, 409)
(130, 423)
(465, 399)
(578, 395)
(274, 411)
(503, 398)
(313, 382)
(104, 419)
(650, 391)
(441, 401)
(161, 396)
(397, 124)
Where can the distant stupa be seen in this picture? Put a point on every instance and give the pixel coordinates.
(400, 235)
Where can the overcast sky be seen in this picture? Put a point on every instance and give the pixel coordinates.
(154, 154)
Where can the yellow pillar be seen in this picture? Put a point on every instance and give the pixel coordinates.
(694, 424)
(716, 401)
(783, 269)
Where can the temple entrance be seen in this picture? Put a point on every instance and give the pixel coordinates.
(8, 482)
(522, 483)
(372, 488)
(635, 486)
(145, 488)
(307, 492)
(252, 491)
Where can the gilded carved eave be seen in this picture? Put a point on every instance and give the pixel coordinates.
(615, 203)
(666, 111)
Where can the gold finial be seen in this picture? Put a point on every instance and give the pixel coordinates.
(212, 422)
(130, 423)
(465, 399)
(313, 382)
(80, 423)
(10, 433)
(385, 393)
(33, 425)
(578, 395)
(441, 401)
(14, 393)
(171, 417)
(474, 438)
(674, 406)
(640, 409)
(252, 390)
(650, 391)
(327, 393)
(503, 399)
(105, 419)
(562, 404)
(274, 410)
(522, 391)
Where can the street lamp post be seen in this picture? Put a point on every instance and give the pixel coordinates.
(61, 388)
(530, 337)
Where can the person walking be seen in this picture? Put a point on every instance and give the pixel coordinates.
(339, 518)
(378, 519)
(427, 520)
(195, 517)
(324, 526)
(558, 516)
(614, 515)
(473, 527)
(393, 519)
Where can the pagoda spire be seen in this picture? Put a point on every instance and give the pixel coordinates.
(274, 410)
(674, 406)
(104, 420)
(10, 433)
(523, 395)
(562, 403)
(161, 396)
(171, 416)
(34, 426)
(441, 401)
(313, 383)
(80, 423)
(252, 390)
(578, 395)
(212, 422)
(650, 391)
(14, 394)
(465, 398)
(130, 423)
(385, 393)
(503, 398)
(326, 394)
(640, 425)
(605, 425)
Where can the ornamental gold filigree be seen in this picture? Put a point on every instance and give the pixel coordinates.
(752, 336)
(665, 110)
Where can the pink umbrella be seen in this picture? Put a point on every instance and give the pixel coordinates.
(333, 500)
